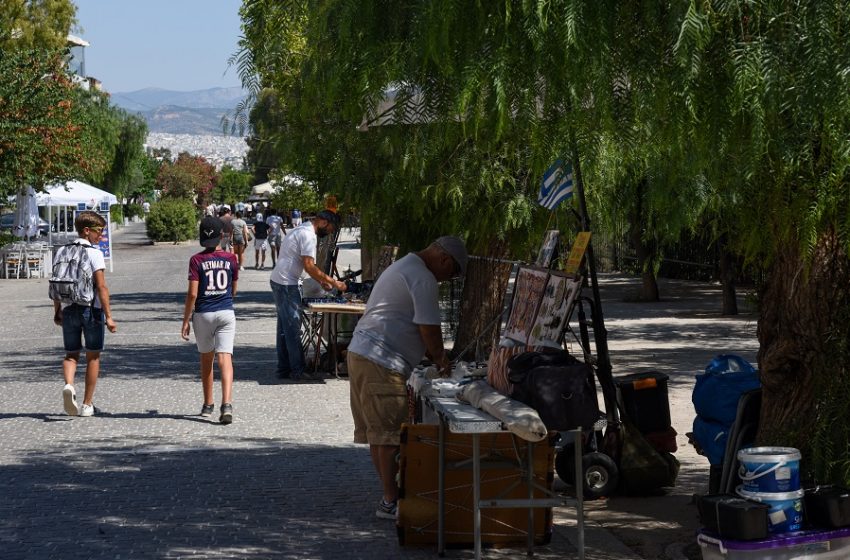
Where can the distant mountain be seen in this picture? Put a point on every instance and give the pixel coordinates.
(181, 112)
(149, 99)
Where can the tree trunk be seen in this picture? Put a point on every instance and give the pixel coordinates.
(481, 304)
(728, 277)
(803, 356)
(644, 252)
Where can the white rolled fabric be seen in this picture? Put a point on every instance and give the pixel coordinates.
(518, 418)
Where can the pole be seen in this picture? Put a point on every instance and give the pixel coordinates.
(600, 334)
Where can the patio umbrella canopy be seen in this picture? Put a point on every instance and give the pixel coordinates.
(26, 214)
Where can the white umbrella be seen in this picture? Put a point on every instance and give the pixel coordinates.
(26, 214)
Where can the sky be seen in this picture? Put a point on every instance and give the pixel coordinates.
(180, 45)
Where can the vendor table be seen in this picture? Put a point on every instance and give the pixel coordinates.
(316, 315)
(461, 418)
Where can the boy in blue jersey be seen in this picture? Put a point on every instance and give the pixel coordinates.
(213, 275)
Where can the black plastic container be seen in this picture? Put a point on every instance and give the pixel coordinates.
(645, 400)
(828, 506)
(733, 517)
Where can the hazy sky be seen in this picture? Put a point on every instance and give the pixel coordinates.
(172, 44)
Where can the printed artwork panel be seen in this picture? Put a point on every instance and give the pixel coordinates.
(528, 291)
(558, 297)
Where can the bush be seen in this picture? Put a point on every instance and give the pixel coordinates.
(116, 214)
(172, 220)
(133, 211)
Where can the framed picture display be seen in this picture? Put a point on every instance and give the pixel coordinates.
(528, 291)
(547, 250)
(555, 304)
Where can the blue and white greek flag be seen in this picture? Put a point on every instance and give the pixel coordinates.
(557, 185)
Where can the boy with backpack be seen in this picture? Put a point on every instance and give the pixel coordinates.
(81, 307)
(213, 274)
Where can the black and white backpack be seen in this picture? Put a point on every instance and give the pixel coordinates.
(71, 280)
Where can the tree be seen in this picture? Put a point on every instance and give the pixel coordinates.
(41, 24)
(42, 133)
(232, 186)
(290, 195)
(735, 113)
(188, 178)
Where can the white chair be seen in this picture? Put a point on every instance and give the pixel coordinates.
(34, 262)
(13, 263)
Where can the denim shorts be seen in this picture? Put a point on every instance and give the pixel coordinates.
(80, 321)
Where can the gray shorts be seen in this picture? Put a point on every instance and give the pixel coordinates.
(215, 330)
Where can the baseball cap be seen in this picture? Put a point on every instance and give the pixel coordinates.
(454, 247)
(210, 231)
(329, 216)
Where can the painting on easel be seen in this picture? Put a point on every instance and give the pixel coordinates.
(528, 291)
(557, 300)
(548, 249)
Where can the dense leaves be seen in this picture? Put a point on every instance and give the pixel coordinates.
(172, 220)
(41, 128)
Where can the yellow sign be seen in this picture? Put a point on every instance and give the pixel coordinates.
(577, 252)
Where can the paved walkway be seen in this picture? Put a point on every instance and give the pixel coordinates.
(148, 478)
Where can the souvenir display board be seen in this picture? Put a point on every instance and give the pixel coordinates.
(528, 291)
(577, 253)
(548, 249)
(558, 296)
(541, 306)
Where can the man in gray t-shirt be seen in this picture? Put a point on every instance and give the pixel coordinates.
(400, 325)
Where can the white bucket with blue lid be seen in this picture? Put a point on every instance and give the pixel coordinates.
(786, 509)
(770, 469)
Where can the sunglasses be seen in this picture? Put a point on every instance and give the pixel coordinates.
(96, 229)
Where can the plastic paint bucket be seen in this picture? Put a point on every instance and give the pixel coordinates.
(770, 469)
(786, 509)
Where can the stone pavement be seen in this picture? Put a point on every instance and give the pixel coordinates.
(148, 478)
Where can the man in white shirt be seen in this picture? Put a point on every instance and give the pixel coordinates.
(297, 256)
(85, 322)
(401, 323)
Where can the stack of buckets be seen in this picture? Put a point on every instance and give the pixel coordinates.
(772, 475)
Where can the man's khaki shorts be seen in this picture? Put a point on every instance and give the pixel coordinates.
(378, 401)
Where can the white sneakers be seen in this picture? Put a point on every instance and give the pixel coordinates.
(69, 398)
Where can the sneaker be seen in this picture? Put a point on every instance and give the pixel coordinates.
(241, 268)
(226, 414)
(387, 510)
(69, 398)
(207, 410)
(88, 410)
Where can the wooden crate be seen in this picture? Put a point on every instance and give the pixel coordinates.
(418, 503)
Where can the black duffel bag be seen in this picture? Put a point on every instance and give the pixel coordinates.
(557, 386)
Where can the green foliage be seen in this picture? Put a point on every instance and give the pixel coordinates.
(43, 24)
(42, 130)
(134, 210)
(116, 212)
(290, 195)
(172, 220)
(232, 186)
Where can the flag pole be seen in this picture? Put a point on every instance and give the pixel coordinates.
(600, 334)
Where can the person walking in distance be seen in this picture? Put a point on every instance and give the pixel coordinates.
(261, 235)
(81, 307)
(227, 233)
(400, 325)
(298, 255)
(213, 276)
(275, 222)
(240, 235)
